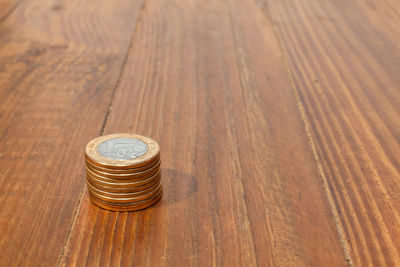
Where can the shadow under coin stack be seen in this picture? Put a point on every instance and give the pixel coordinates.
(123, 172)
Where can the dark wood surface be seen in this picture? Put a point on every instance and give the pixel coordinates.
(346, 71)
(278, 123)
(59, 63)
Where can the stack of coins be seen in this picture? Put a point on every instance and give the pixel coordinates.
(123, 172)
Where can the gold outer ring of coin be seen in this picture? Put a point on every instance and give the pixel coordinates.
(126, 200)
(118, 184)
(124, 189)
(123, 208)
(122, 181)
(92, 155)
(125, 176)
(123, 195)
(116, 171)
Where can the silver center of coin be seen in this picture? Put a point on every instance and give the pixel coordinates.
(122, 148)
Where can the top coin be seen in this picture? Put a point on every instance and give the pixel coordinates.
(122, 151)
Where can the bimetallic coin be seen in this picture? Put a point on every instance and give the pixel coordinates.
(121, 151)
(116, 171)
(124, 195)
(124, 176)
(126, 200)
(126, 207)
(124, 189)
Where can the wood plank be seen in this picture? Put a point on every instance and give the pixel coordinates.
(207, 80)
(59, 64)
(345, 64)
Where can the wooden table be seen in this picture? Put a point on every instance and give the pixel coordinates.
(278, 123)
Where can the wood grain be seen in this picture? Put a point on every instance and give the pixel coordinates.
(344, 59)
(207, 80)
(59, 63)
(7, 7)
(278, 122)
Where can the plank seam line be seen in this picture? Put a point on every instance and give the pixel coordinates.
(10, 11)
(123, 67)
(312, 143)
(122, 70)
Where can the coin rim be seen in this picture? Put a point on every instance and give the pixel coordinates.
(127, 200)
(122, 182)
(124, 195)
(125, 208)
(137, 182)
(137, 203)
(122, 171)
(125, 189)
(125, 176)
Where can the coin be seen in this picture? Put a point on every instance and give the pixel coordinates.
(122, 185)
(121, 171)
(124, 195)
(125, 207)
(130, 200)
(121, 151)
(122, 182)
(124, 189)
(124, 176)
